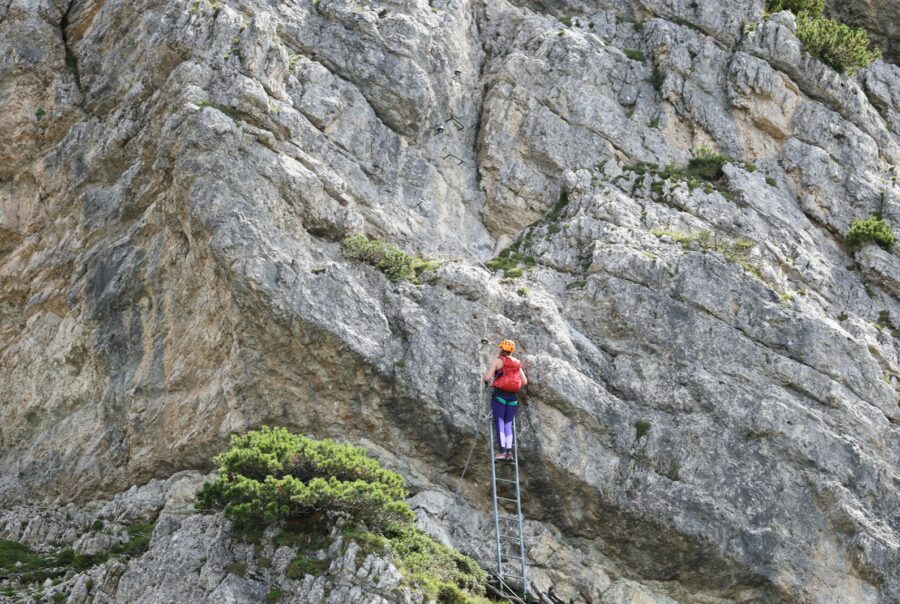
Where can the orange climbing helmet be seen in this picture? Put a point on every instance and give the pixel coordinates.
(508, 346)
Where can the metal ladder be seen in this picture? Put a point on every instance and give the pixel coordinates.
(509, 530)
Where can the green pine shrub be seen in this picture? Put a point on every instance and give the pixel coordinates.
(393, 262)
(872, 229)
(846, 49)
(272, 475)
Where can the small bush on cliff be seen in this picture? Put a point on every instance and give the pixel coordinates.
(846, 49)
(872, 229)
(272, 475)
(395, 263)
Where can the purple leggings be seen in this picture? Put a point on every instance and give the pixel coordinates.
(503, 423)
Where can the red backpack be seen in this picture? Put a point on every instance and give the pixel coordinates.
(510, 378)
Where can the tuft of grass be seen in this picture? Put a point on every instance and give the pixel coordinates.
(641, 428)
(707, 165)
(303, 565)
(771, 182)
(873, 229)
(634, 54)
(236, 568)
(71, 61)
(97, 525)
(576, 285)
(674, 471)
(39, 113)
(522, 291)
(654, 123)
(138, 543)
(203, 103)
(274, 595)
(657, 78)
(842, 317)
(567, 21)
(393, 262)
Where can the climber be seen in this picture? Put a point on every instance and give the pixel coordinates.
(508, 378)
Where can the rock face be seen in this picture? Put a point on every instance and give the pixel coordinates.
(175, 181)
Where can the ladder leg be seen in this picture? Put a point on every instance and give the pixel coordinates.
(519, 512)
(494, 497)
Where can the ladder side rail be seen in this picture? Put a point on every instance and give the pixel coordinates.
(519, 512)
(494, 497)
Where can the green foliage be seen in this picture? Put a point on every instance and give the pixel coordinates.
(13, 554)
(39, 113)
(303, 565)
(567, 21)
(59, 597)
(274, 595)
(704, 169)
(236, 568)
(97, 525)
(509, 261)
(522, 291)
(441, 572)
(395, 263)
(71, 61)
(842, 317)
(641, 427)
(272, 474)
(657, 78)
(580, 284)
(811, 7)
(872, 229)
(138, 540)
(674, 472)
(707, 165)
(737, 251)
(846, 49)
(634, 55)
(222, 108)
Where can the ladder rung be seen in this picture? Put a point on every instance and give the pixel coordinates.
(513, 537)
(510, 576)
(508, 499)
(511, 557)
(513, 518)
(505, 480)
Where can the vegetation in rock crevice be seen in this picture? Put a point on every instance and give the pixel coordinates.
(704, 170)
(274, 476)
(393, 262)
(872, 229)
(511, 260)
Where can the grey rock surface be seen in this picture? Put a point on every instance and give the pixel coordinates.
(175, 180)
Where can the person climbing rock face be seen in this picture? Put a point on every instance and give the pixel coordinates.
(508, 378)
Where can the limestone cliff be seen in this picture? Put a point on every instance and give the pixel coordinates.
(176, 177)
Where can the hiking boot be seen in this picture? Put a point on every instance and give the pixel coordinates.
(501, 456)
